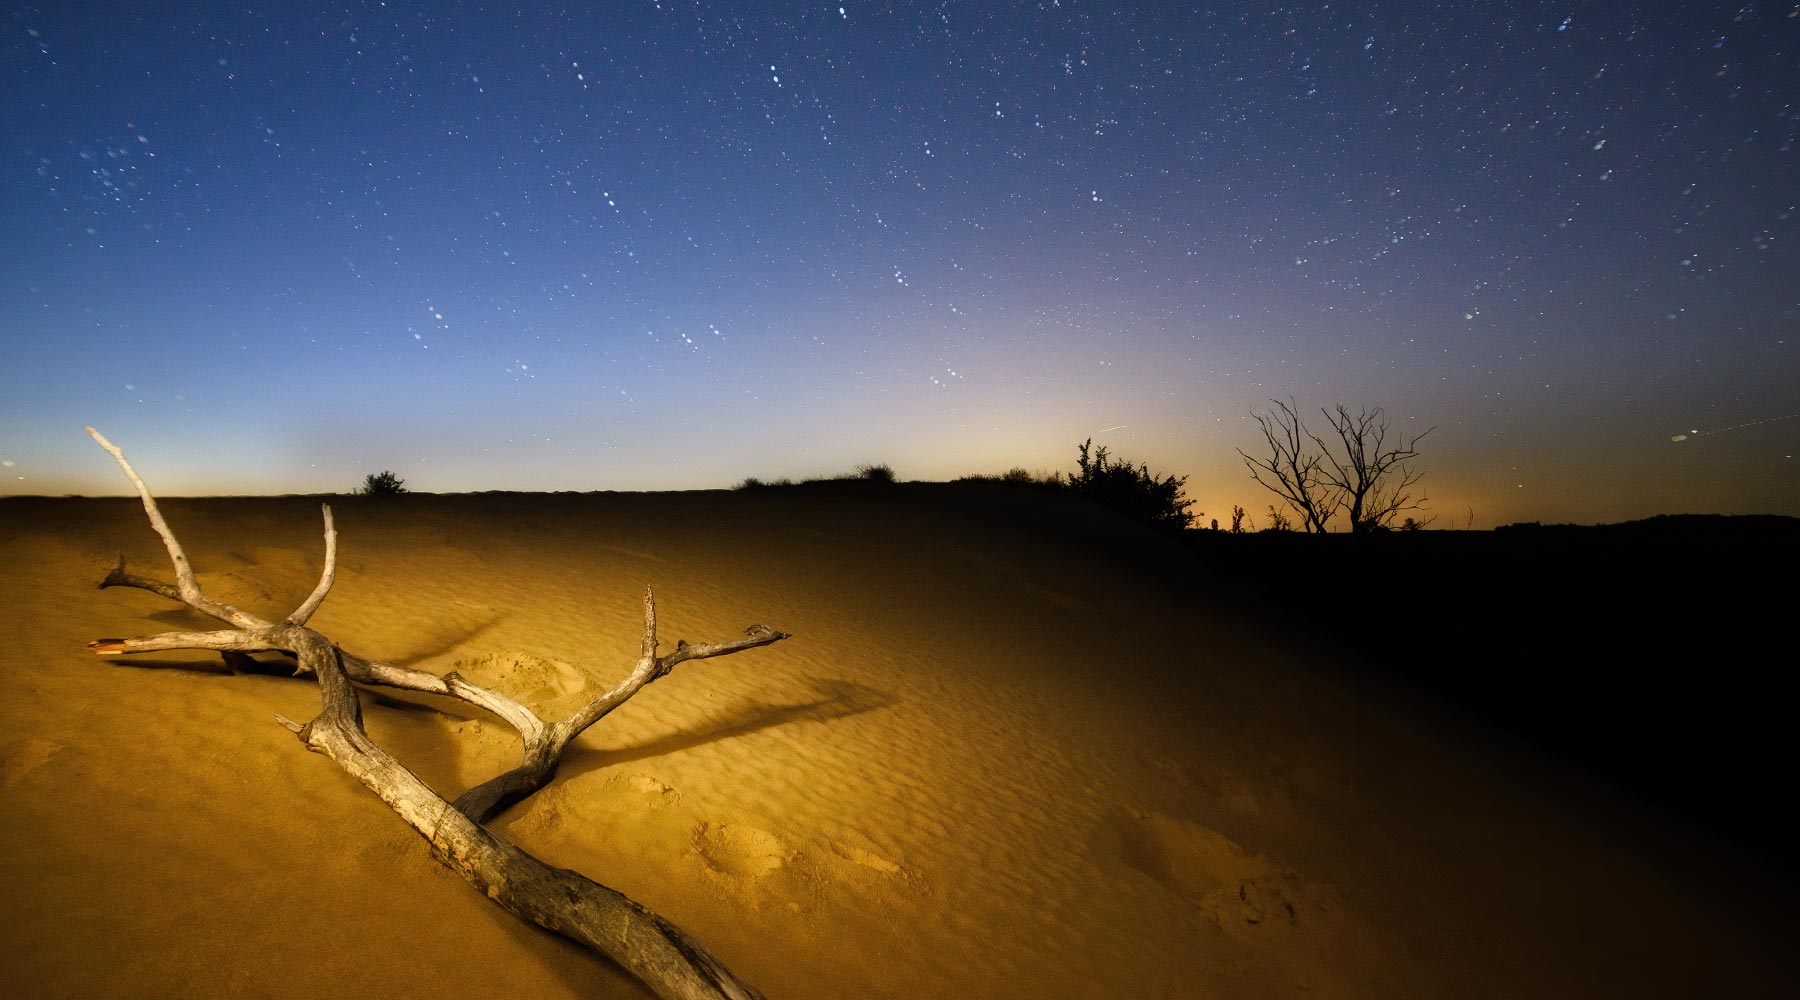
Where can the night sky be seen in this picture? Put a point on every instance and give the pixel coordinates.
(669, 245)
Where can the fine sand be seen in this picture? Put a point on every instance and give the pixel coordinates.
(1015, 748)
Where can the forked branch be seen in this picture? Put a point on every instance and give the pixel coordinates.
(643, 943)
(544, 751)
(1290, 471)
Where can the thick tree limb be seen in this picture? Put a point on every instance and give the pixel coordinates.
(233, 639)
(643, 943)
(665, 958)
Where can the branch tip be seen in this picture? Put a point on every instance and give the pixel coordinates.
(649, 651)
(327, 576)
(107, 647)
(185, 584)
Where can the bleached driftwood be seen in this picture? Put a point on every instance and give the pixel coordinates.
(656, 951)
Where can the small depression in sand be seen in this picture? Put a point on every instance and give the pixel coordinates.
(737, 850)
(1228, 882)
(542, 684)
(19, 758)
(867, 859)
(656, 793)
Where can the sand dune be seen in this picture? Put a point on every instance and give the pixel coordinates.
(1009, 752)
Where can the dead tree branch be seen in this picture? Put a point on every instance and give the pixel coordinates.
(185, 586)
(1290, 471)
(317, 597)
(544, 749)
(1375, 479)
(643, 943)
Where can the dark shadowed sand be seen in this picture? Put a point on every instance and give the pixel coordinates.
(1008, 753)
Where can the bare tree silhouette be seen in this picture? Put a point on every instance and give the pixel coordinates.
(1291, 471)
(1369, 477)
(1375, 479)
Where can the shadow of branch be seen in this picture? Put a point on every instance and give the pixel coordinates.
(833, 699)
(278, 664)
(447, 640)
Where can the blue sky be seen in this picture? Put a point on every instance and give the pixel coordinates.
(669, 245)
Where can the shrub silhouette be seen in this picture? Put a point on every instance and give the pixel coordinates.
(1025, 477)
(1131, 490)
(1017, 476)
(383, 483)
(878, 473)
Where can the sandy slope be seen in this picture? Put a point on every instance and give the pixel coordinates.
(991, 762)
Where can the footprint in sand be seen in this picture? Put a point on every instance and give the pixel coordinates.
(613, 809)
(1233, 886)
(739, 851)
(20, 758)
(867, 859)
(540, 683)
(655, 792)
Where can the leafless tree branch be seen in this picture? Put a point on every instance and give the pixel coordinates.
(184, 573)
(1374, 478)
(317, 597)
(643, 943)
(1290, 471)
(544, 751)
